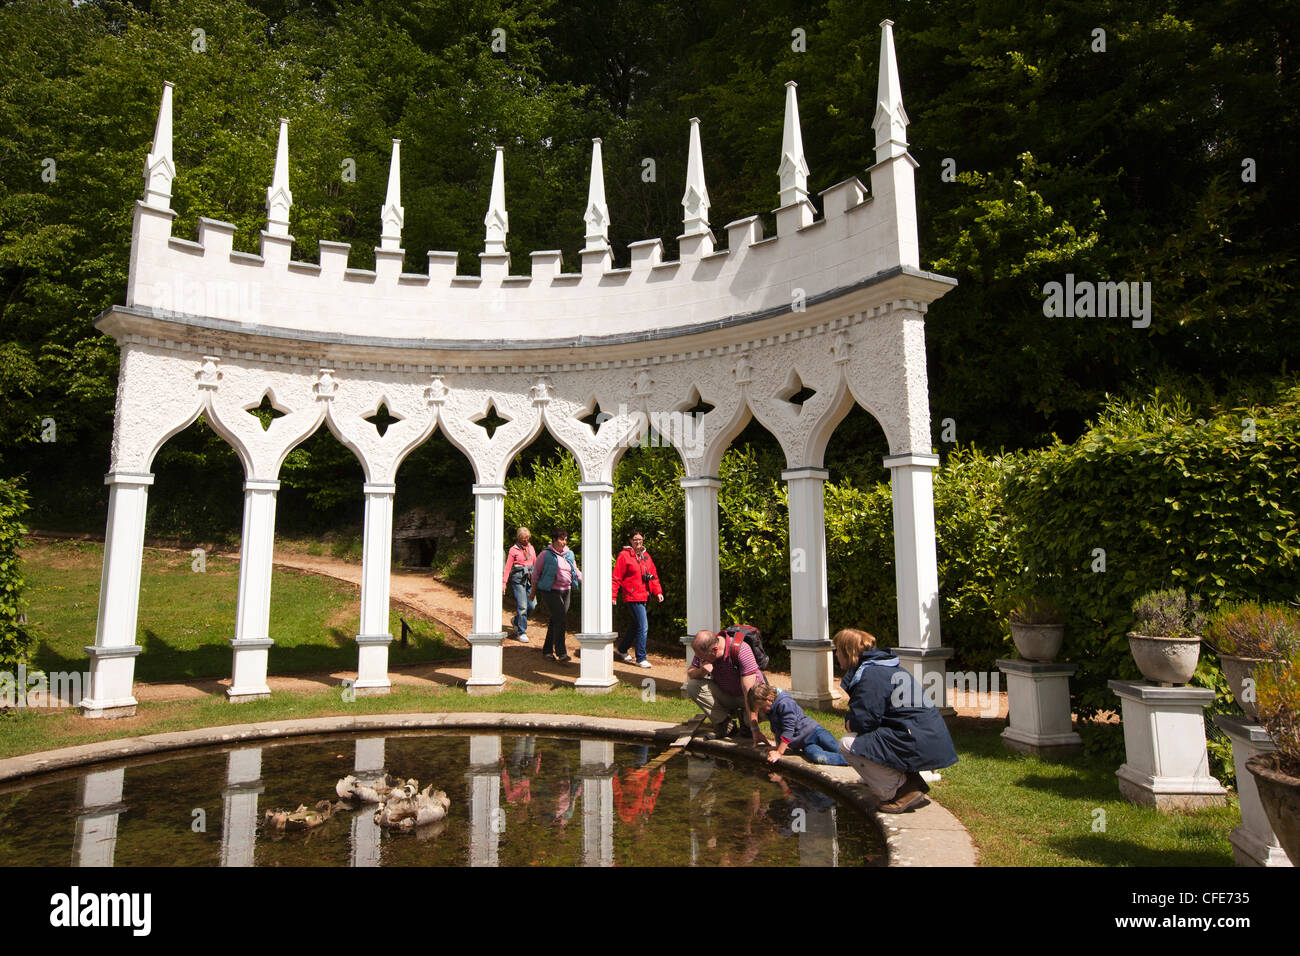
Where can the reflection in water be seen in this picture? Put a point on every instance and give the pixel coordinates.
(239, 806)
(515, 801)
(100, 796)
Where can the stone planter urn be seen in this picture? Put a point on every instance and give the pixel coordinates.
(1038, 642)
(1165, 661)
(1279, 792)
(1238, 670)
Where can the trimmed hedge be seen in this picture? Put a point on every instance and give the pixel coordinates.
(1206, 504)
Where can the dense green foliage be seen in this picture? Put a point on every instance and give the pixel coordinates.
(1207, 504)
(15, 639)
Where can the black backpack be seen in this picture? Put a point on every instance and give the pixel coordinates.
(751, 636)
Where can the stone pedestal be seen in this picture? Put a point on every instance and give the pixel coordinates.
(1253, 843)
(1038, 697)
(1166, 764)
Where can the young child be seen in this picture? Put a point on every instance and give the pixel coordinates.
(793, 730)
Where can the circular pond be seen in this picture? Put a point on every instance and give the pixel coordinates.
(512, 800)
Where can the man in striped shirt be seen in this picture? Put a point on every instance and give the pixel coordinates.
(718, 680)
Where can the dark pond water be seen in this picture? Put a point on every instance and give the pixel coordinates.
(515, 801)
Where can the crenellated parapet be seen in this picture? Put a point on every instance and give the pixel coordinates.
(866, 231)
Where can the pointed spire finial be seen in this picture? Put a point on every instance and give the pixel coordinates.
(695, 202)
(391, 214)
(496, 220)
(794, 165)
(278, 197)
(891, 120)
(597, 214)
(159, 167)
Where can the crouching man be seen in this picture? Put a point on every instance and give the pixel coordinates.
(893, 734)
(718, 680)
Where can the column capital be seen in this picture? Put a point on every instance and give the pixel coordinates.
(128, 478)
(378, 488)
(261, 484)
(595, 487)
(795, 474)
(700, 481)
(489, 490)
(910, 459)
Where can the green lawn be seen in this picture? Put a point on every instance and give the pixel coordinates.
(186, 617)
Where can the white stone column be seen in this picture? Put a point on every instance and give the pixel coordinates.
(486, 674)
(95, 839)
(916, 570)
(252, 641)
(376, 572)
(1253, 843)
(703, 590)
(487, 819)
(239, 806)
(112, 658)
(596, 769)
(811, 675)
(597, 636)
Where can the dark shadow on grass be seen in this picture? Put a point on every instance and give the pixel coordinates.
(1110, 851)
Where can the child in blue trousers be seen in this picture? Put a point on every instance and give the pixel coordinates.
(792, 729)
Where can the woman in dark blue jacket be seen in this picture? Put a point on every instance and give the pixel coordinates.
(894, 733)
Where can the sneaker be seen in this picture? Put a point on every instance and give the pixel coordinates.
(630, 657)
(644, 664)
(523, 638)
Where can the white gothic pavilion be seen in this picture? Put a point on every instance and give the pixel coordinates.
(836, 305)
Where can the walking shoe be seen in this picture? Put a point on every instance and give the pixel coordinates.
(643, 664)
(522, 638)
(909, 796)
(630, 657)
(564, 658)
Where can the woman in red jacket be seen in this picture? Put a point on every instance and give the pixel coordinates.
(635, 576)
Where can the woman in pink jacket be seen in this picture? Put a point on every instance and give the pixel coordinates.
(635, 576)
(518, 577)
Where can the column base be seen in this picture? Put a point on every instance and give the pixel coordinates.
(486, 652)
(811, 673)
(1166, 764)
(372, 665)
(248, 681)
(484, 688)
(107, 710)
(112, 677)
(929, 665)
(597, 670)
